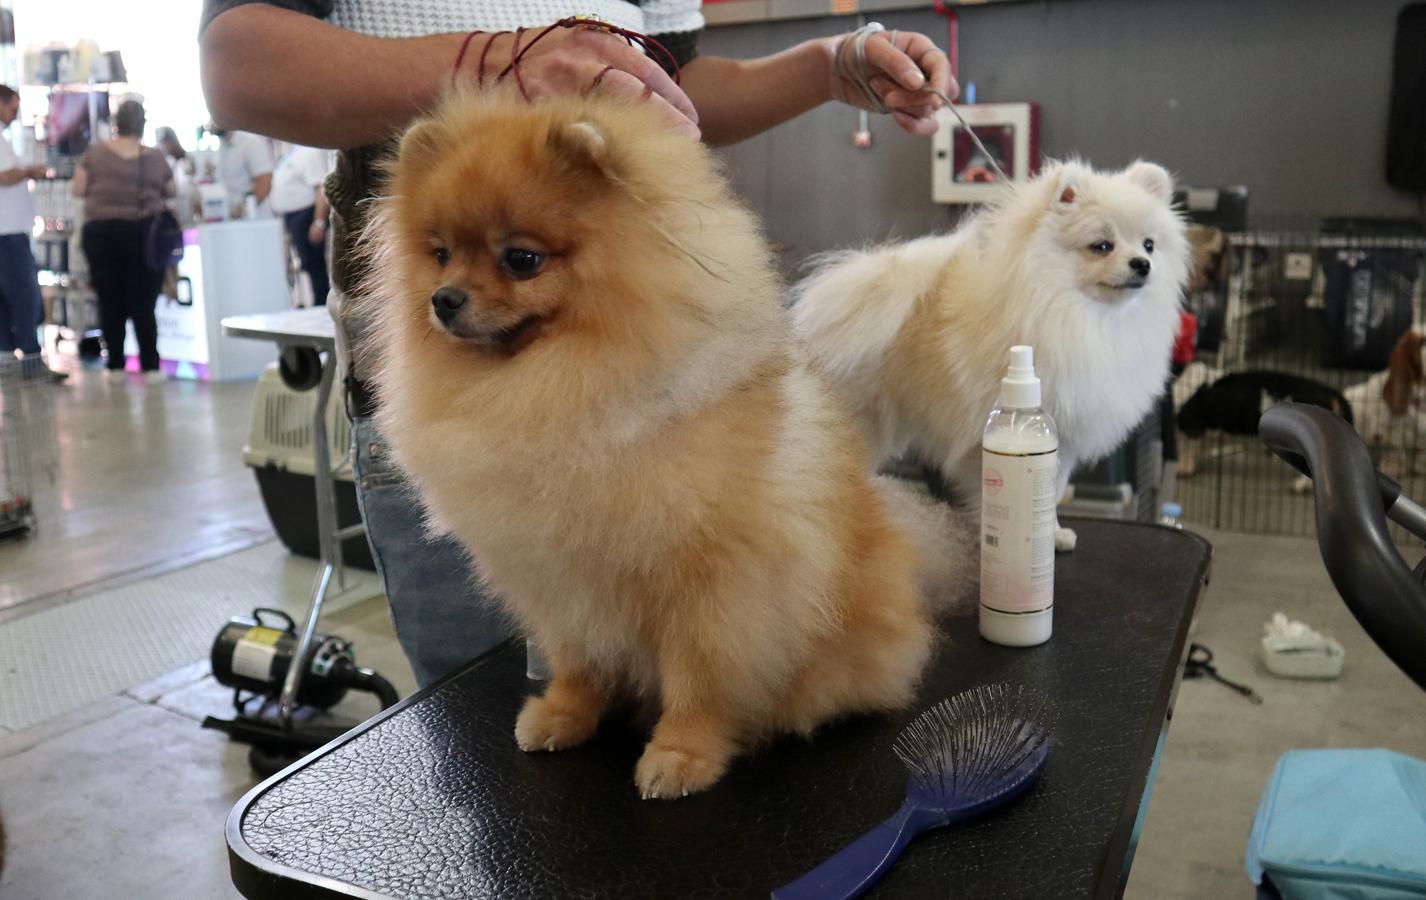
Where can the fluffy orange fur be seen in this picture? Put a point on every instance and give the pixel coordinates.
(667, 499)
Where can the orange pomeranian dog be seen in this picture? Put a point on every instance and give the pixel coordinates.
(586, 371)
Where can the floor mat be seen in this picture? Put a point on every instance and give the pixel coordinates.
(64, 657)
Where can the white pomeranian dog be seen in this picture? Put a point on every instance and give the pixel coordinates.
(1087, 267)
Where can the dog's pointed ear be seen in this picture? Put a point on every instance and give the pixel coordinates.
(584, 144)
(420, 142)
(1153, 178)
(1068, 180)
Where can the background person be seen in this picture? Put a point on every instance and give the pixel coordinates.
(21, 307)
(244, 169)
(124, 185)
(298, 198)
(185, 203)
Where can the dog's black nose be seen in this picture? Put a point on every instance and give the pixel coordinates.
(1140, 265)
(447, 301)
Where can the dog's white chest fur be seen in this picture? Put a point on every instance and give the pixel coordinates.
(1102, 381)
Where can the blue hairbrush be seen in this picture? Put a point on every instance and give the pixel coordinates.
(966, 755)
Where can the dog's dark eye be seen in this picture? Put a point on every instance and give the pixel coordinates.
(521, 263)
(442, 255)
(1148, 245)
(1101, 247)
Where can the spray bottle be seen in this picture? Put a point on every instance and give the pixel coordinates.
(1019, 476)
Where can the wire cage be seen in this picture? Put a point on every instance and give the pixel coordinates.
(27, 459)
(1321, 311)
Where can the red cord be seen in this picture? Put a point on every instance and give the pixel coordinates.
(645, 43)
(480, 79)
(515, 54)
(460, 57)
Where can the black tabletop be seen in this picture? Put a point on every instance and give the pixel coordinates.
(433, 799)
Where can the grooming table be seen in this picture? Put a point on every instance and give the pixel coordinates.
(433, 799)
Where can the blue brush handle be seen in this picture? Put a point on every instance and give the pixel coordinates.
(854, 868)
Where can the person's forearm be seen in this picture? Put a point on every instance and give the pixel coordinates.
(262, 186)
(323, 208)
(13, 176)
(299, 79)
(737, 99)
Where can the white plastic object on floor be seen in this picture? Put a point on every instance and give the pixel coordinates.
(155, 376)
(1293, 650)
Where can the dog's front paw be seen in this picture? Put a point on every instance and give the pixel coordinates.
(542, 726)
(1302, 485)
(667, 773)
(1065, 539)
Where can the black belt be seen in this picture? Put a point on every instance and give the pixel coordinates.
(361, 399)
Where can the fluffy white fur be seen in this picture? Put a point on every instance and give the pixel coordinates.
(918, 334)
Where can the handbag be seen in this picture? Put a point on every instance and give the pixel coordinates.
(163, 244)
(163, 236)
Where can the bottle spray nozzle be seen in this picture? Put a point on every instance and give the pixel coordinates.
(1020, 389)
(1022, 362)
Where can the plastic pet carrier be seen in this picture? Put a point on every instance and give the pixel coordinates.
(279, 451)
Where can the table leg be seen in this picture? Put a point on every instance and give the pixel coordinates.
(1138, 829)
(330, 547)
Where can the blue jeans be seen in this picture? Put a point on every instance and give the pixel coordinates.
(20, 303)
(442, 617)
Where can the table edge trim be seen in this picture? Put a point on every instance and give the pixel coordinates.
(250, 869)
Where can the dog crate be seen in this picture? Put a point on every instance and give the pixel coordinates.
(1332, 301)
(280, 453)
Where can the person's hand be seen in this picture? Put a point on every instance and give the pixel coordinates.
(577, 61)
(317, 232)
(39, 173)
(898, 64)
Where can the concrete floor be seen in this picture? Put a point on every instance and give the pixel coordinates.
(127, 797)
(1221, 748)
(131, 480)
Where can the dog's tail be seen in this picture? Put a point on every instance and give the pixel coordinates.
(853, 305)
(947, 541)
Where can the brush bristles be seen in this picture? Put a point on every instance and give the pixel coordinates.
(968, 743)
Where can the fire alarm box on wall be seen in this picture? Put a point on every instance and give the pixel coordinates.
(960, 172)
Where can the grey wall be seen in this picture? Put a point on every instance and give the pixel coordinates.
(1286, 96)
